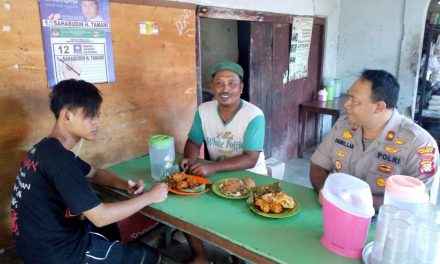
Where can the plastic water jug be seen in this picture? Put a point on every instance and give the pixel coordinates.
(330, 91)
(347, 210)
(405, 192)
(322, 95)
(329, 84)
(162, 155)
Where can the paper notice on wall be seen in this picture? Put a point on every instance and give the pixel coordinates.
(302, 28)
(77, 40)
(148, 28)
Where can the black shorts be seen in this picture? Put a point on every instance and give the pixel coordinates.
(101, 250)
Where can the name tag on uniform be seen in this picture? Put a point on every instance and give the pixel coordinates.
(394, 159)
(344, 143)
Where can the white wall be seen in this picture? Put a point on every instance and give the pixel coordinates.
(369, 37)
(410, 52)
(383, 35)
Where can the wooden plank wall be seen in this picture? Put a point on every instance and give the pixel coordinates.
(260, 76)
(154, 92)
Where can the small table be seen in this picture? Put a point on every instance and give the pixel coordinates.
(333, 108)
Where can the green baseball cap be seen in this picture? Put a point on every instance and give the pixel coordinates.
(227, 65)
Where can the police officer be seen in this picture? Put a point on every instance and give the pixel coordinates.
(373, 141)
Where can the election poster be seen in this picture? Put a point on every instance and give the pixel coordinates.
(77, 40)
(300, 47)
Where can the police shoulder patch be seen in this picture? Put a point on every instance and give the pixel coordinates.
(426, 151)
(427, 166)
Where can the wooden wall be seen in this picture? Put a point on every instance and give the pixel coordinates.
(154, 92)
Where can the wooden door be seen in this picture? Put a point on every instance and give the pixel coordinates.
(268, 88)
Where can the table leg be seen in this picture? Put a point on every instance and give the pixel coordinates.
(301, 145)
(318, 130)
(334, 118)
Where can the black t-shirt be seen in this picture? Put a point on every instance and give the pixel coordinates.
(50, 193)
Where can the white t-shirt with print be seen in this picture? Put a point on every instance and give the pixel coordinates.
(243, 132)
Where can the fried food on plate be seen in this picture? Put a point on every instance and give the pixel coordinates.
(181, 185)
(180, 181)
(285, 200)
(181, 176)
(270, 199)
(276, 207)
(263, 205)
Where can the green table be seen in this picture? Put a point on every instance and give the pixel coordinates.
(231, 225)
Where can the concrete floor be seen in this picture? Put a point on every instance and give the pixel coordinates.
(296, 171)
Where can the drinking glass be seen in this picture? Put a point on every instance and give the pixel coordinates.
(427, 243)
(386, 214)
(397, 241)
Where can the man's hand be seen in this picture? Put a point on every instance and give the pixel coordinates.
(158, 192)
(202, 169)
(135, 186)
(185, 164)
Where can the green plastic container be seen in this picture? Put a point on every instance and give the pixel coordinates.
(161, 141)
(162, 155)
(330, 91)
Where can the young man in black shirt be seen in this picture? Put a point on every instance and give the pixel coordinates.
(52, 196)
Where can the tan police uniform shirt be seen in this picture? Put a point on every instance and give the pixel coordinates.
(402, 148)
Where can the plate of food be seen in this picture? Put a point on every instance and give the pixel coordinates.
(269, 201)
(233, 188)
(185, 184)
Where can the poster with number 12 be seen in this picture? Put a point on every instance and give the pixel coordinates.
(77, 40)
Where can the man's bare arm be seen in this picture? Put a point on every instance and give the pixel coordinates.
(108, 213)
(318, 176)
(105, 177)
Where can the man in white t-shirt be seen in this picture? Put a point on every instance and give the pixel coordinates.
(233, 131)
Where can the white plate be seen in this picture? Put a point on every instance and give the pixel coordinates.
(434, 102)
(367, 252)
(434, 107)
